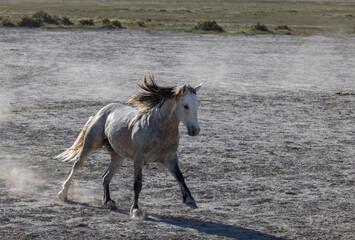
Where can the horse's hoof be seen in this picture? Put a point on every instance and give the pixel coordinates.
(63, 196)
(138, 214)
(191, 203)
(111, 205)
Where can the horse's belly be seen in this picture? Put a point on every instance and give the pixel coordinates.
(121, 142)
(160, 153)
(153, 156)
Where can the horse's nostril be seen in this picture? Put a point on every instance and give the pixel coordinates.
(193, 131)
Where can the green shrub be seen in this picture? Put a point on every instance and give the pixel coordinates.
(39, 14)
(27, 21)
(7, 23)
(111, 24)
(283, 27)
(260, 27)
(106, 21)
(209, 26)
(116, 24)
(66, 21)
(87, 22)
(141, 24)
(45, 17)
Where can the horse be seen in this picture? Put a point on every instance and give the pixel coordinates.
(144, 130)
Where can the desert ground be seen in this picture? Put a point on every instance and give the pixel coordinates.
(274, 158)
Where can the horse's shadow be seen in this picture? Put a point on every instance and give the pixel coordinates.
(218, 229)
(88, 205)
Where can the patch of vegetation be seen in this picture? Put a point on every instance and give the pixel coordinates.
(66, 21)
(116, 24)
(283, 27)
(111, 24)
(87, 22)
(46, 18)
(210, 25)
(7, 23)
(106, 21)
(41, 18)
(141, 24)
(260, 28)
(27, 21)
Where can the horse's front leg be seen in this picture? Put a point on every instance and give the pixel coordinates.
(173, 167)
(135, 212)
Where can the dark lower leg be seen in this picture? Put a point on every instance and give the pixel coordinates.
(106, 197)
(107, 176)
(137, 189)
(180, 179)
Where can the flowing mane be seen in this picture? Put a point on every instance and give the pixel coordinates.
(154, 94)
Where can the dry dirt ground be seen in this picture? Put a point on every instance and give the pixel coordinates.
(270, 162)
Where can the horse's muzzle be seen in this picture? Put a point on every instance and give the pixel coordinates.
(193, 131)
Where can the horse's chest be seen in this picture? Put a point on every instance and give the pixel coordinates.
(161, 149)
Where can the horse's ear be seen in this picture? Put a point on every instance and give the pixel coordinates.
(198, 87)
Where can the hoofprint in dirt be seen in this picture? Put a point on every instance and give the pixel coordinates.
(274, 158)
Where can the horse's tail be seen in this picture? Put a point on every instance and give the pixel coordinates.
(73, 152)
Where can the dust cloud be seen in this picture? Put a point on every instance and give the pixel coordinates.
(87, 192)
(18, 178)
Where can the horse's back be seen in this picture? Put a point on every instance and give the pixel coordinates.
(114, 108)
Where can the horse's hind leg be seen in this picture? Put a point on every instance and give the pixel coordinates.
(93, 140)
(63, 194)
(116, 163)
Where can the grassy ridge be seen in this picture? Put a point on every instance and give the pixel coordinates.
(234, 16)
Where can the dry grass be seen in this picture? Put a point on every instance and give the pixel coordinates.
(234, 15)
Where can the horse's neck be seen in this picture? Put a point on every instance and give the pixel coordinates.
(166, 114)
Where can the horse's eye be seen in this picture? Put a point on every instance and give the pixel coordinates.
(186, 107)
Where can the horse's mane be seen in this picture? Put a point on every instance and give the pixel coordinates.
(154, 94)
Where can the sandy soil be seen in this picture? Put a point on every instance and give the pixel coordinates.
(274, 159)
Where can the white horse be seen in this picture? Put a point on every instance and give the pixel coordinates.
(145, 134)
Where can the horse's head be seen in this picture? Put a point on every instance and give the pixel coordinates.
(182, 101)
(186, 109)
